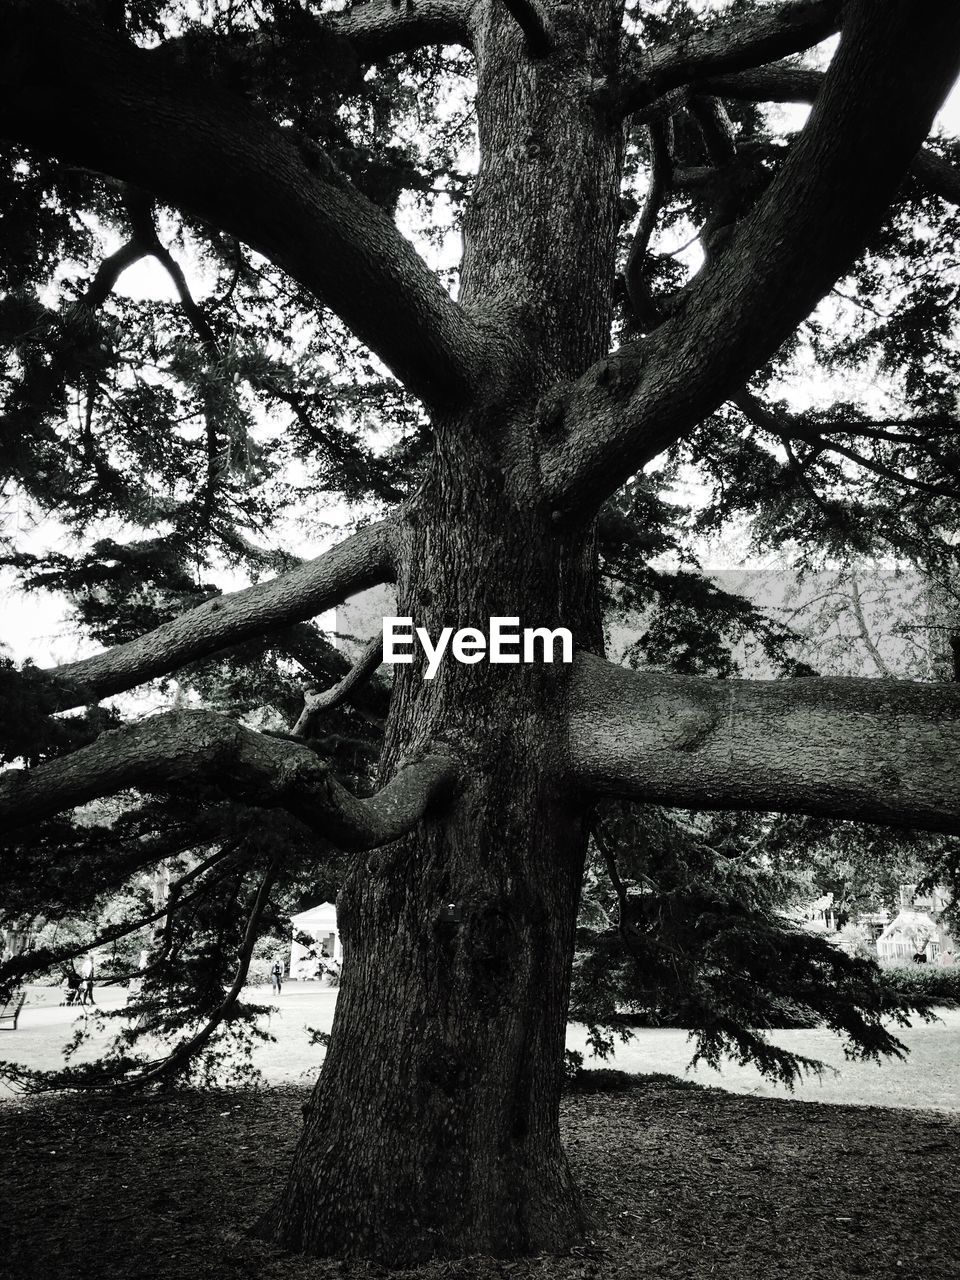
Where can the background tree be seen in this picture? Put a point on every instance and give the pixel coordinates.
(274, 140)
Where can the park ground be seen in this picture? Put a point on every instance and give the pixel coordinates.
(858, 1176)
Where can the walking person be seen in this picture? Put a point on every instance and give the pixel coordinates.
(276, 976)
(86, 976)
(74, 985)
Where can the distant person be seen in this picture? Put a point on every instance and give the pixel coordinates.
(74, 984)
(276, 975)
(86, 976)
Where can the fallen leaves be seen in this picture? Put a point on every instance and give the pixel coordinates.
(680, 1184)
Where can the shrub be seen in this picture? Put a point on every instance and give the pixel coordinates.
(924, 981)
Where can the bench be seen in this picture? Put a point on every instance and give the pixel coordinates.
(11, 1012)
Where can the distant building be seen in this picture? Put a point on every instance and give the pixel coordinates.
(917, 930)
(319, 925)
(816, 916)
(821, 915)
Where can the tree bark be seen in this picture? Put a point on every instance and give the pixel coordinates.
(434, 1127)
(179, 746)
(881, 751)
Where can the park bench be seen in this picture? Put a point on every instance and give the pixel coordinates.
(11, 1012)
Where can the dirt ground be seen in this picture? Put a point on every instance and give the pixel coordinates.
(679, 1182)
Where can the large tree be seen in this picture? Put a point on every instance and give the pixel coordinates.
(434, 1127)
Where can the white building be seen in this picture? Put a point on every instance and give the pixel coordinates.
(916, 930)
(320, 924)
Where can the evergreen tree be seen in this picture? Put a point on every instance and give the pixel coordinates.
(514, 451)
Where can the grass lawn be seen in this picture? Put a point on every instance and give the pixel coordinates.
(929, 1078)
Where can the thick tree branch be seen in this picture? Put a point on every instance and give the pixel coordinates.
(788, 83)
(885, 85)
(534, 23)
(764, 36)
(379, 28)
(869, 750)
(363, 560)
(779, 82)
(73, 89)
(190, 746)
(366, 32)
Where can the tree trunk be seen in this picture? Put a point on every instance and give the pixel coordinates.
(434, 1128)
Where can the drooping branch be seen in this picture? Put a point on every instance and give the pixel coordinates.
(884, 86)
(73, 89)
(44, 959)
(770, 33)
(534, 23)
(187, 1050)
(363, 560)
(787, 428)
(869, 750)
(177, 747)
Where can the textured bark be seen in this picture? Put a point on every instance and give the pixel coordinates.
(540, 230)
(880, 751)
(379, 28)
(434, 1127)
(362, 560)
(194, 746)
